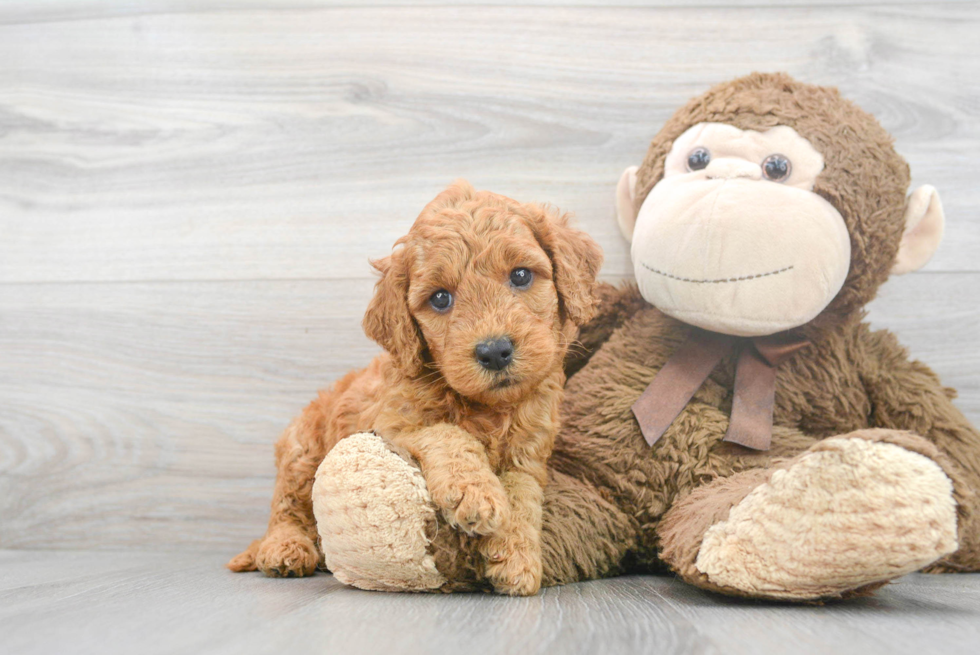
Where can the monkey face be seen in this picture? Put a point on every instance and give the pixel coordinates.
(766, 204)
(733, 239)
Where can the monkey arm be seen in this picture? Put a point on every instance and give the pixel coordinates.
(907, 395)
(615, 306)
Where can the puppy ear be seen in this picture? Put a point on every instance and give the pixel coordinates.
(576, 260)
(388, 320)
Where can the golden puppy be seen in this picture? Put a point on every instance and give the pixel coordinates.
(476, 311)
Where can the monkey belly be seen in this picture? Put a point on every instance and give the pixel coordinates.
(601, 441)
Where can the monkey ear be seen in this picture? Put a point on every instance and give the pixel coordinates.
(388, 320)
(625, 196)
(576, 260)
(924, 223)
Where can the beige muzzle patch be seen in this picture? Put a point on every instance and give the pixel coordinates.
(855, 513)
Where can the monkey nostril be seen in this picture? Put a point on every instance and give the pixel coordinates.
(495, 354)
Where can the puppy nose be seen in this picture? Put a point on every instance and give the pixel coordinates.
(495, 354)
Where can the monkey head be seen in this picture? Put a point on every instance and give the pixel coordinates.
(767, 204)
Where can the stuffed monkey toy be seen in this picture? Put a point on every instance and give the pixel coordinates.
(732, 419)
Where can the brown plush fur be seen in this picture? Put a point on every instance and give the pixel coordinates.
(482, 437)
(613, 503)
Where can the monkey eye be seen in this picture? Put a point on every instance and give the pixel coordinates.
(521, 277)
(776, 168)
(698, 159)
(441, 300)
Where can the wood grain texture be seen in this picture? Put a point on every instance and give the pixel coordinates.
(254, 144)
(144, 413)
(189, 196)
(34, 11)
(108, 603)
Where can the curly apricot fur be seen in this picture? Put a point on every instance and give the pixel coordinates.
(481, 437)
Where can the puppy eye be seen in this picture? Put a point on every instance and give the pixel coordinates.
(776, 168)
(521, 277)
(698, 159)
(441, 300)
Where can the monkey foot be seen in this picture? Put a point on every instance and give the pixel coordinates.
(374, 516)
(852, 513)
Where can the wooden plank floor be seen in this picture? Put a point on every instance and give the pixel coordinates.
(83, 602)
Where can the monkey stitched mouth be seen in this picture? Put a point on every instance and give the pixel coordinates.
(719, 280)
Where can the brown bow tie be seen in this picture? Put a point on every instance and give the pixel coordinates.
(687, 369)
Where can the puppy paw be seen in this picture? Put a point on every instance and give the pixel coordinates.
(482, 509)
(476, 506)
(287, 555)
(245, 560)
(513, 564)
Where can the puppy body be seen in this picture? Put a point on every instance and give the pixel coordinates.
(481, 431)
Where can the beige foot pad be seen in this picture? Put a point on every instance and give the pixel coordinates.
(372, 511)
(854, 513)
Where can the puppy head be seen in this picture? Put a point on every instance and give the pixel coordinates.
(484, 289)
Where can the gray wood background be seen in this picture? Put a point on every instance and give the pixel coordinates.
(190, 192)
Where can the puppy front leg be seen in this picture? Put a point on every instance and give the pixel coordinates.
(458, 475)
(513, 553)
